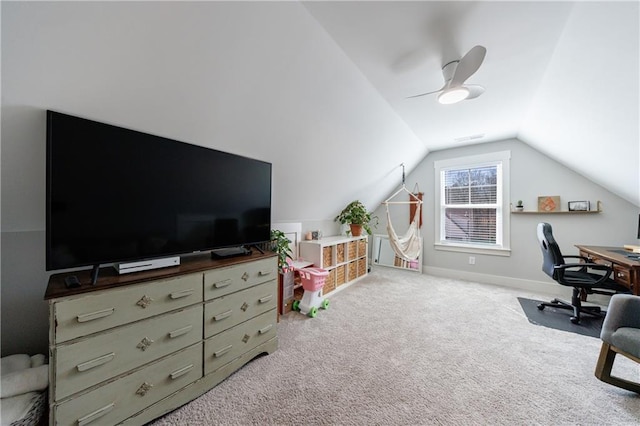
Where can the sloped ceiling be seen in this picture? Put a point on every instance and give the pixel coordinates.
(319, 89)
(560, 76)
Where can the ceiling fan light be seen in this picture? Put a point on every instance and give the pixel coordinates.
(451, 96)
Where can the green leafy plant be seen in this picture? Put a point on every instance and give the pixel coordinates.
(280, 244)
(357, 214)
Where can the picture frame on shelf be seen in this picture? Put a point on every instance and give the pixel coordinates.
(549, 203)
(579, 206)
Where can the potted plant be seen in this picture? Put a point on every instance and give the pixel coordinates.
(280, 244)
(519, 206)
(358, 217)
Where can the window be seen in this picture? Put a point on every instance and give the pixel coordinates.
(472, 210)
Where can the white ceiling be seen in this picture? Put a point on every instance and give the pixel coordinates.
(319, 88)
(562, 77)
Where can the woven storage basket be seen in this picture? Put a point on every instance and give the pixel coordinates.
(329, 282)
(362, 267)
(340, 275)
(351, 250)
(340, 253)
(327, 257)
(362, 248)
(353, 270)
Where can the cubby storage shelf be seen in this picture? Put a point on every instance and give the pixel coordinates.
(346, 259)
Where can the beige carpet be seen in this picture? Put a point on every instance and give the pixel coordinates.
(400, 348)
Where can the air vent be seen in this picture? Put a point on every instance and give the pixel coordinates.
(469, 138)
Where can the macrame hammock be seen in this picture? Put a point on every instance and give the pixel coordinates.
(409, 246)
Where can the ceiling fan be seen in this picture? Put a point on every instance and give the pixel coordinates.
(456, 73)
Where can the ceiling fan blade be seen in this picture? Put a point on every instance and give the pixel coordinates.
(428, 93)
(475, 90)
(468, 65)
(423, 94)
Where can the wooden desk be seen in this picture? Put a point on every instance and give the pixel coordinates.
(626, 271)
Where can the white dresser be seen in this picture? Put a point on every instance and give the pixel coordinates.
(134, 347)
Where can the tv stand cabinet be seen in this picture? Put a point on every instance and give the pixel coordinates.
(133, 347)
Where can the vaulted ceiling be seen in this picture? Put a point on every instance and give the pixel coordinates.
(560, 76)
(310, 85)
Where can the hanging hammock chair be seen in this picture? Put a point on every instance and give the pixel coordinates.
(409, 246)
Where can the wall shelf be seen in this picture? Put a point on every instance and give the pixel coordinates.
(598, 210)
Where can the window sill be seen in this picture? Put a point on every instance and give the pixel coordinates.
(473, 249)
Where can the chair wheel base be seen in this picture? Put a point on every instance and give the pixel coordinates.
(576, 307)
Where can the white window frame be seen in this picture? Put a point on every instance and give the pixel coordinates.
(503, 214)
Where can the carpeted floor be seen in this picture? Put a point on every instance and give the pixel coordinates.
(401, 348)
(558, 318)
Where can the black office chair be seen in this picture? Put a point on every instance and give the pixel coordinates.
(585, 277)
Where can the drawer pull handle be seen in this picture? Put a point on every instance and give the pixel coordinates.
(245, 276)
(144, 344)
(221, 284)
(180, 331)
(144, 388)
(222, 315)
(265, 299)
(95, 362)
(181, 372)
(181, 294)
(95, 415)
(265, 272)
(144, 301)
(222, 351)
(95, 315)
(266, 329)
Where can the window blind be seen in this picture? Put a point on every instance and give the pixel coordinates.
(470, 204)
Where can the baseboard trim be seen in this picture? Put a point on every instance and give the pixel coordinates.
(548, 288)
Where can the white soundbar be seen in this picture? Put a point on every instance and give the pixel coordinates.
(143, 265)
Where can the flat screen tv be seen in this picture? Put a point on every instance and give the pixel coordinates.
(118, 195)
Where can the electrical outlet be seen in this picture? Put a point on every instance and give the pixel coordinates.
(472, 260)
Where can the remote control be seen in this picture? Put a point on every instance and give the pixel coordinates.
(72, 281)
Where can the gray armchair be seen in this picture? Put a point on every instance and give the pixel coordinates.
(620, 335)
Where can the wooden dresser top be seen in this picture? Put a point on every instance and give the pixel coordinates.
(109, 278)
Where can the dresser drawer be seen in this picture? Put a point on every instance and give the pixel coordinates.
(227, 311)
(238, 277)
(87, 314)
(226, 346)
(117, 400)
(89, 361)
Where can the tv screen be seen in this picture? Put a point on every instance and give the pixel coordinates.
(117, 195)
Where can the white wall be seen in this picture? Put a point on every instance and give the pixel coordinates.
(260, 79)
(532, 174)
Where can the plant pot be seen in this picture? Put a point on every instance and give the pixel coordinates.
(356, 230)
